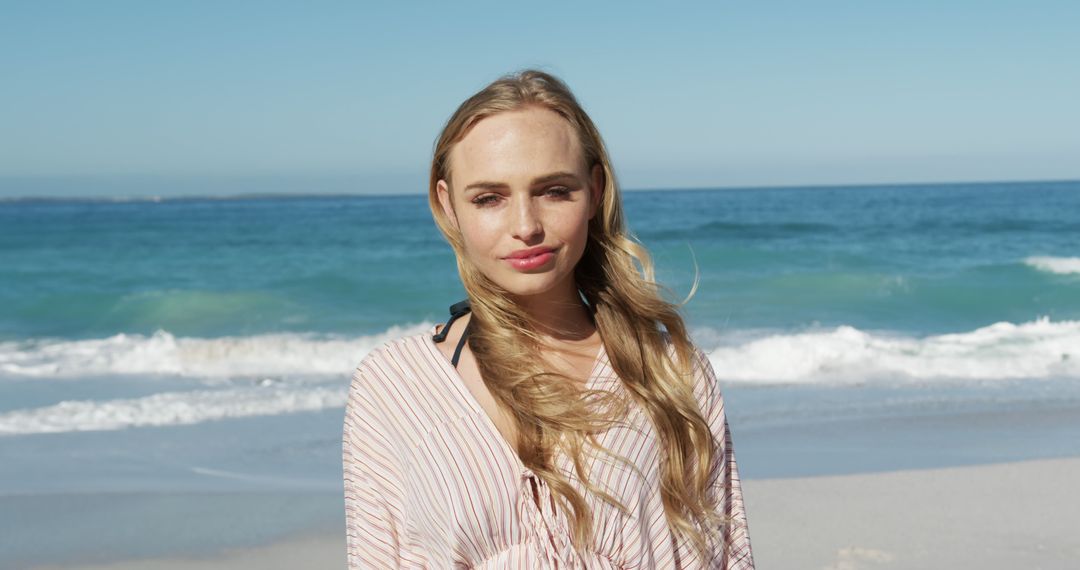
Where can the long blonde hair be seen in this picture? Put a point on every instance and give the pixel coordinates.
(655, 365)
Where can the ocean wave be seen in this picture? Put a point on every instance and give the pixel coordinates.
(1059, 265)
(169, 408)
(163, 353)
(846, 355)
(1037, 349)
(840, 355)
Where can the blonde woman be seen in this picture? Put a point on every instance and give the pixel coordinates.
(561, 418)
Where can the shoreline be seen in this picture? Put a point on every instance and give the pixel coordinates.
(998, 515)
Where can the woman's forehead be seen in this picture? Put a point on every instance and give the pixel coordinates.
(516, 144)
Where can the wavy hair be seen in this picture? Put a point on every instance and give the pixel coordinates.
(644, 335)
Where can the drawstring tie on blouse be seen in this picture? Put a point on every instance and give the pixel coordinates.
(548, 527)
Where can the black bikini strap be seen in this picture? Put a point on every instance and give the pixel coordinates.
(457, 310)
(461, 343)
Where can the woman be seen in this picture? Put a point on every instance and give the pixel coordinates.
(562, 418)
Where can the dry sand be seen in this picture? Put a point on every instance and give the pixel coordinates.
(1009, 515)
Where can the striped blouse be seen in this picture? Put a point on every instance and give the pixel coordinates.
(430, 482)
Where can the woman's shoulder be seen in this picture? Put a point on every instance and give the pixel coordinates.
(379, 388)
(397, 355)
(706, 385)
(698, 356)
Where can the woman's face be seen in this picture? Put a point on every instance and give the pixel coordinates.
(520, 187)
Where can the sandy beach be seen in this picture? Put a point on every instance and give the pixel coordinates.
(1008, 515)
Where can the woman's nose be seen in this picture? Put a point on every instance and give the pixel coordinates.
(526, 221)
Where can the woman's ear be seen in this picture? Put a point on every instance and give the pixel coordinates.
(446, 201)
(597, 194)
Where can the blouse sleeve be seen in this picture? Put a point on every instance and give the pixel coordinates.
(374, 506)
(735, 553)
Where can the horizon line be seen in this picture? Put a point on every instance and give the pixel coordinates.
(292, 195)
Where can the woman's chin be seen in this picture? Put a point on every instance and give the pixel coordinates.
(524, 287)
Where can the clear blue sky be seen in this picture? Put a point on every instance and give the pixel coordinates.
(349, 96)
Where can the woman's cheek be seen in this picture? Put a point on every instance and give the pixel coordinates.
(483, 239)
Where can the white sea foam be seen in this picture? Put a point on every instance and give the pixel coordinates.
(170, 408)
(842, 355)
(1059, 265)
(164, 353)
(1040, 348)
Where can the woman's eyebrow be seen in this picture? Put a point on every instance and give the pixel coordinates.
(538, 180)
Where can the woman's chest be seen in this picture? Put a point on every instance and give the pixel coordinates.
(462, 487)
(467, 491)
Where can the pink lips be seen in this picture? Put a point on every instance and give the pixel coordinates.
(531, 258)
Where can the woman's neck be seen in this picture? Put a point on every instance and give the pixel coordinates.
(560, 314)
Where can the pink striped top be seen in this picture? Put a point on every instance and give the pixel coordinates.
(430, 482)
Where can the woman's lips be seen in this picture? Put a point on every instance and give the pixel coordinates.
(533, 262)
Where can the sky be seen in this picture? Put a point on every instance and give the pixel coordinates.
(188, 97)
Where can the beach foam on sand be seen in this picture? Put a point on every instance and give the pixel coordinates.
(1007, 515)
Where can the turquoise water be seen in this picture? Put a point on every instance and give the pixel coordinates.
(164, 346)
(914, 259)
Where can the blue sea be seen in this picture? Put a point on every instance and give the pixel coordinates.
(178, 366)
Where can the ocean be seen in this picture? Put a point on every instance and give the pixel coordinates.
(166, 360)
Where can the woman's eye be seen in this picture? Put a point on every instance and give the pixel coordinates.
(559, 191)
(486, 200)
